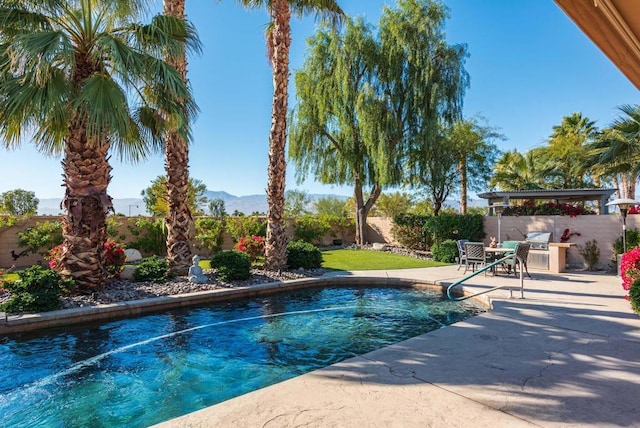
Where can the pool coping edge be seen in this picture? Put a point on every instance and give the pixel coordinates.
(29, 322)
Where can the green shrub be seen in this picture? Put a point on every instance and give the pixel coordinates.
(150, 236)
(310, 228)
(41, 238)
(633, 241)
(446, 251)
(590, 253)
(38, 290)
(209, 233)
(153, 269)
(408, 230)
(304, 255)
(232, 265)
(113, 226)
(420, 232)
(342, 224)
(453, 226)
(634, 296)
(246, 226)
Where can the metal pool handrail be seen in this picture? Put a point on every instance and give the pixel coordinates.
(484, 269)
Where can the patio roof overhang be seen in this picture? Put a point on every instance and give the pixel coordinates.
(614, 26)
(559, 195)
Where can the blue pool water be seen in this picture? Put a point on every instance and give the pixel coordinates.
(141, 371)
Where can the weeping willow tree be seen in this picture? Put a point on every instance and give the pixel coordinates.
(372, 106)
(331, 135)
(422, 85)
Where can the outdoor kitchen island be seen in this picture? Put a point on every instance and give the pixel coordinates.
(546, 255)
(558, 256)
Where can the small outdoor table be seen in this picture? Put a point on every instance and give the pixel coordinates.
(496, 253)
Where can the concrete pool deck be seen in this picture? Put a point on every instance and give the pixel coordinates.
(566, 355)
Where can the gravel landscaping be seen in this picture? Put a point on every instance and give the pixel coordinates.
(119, 290)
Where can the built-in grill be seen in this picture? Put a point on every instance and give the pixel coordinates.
(539, 240)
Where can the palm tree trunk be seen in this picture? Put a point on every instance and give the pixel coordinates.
(626, 186)
(463, 186)
(84, 226)
(280, 40)
(178, 221)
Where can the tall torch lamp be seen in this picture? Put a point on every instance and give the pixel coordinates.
(498, 209)
(623, 204)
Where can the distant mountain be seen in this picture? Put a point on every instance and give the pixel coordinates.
(126, 206)
(244, 204)
(135, 206)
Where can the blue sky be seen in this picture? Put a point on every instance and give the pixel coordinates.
(529, 66)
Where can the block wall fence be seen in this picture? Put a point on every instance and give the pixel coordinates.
(604, 229)
(9, 239)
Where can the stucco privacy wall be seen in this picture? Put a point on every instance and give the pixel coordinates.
(9, 239)
(604, 229)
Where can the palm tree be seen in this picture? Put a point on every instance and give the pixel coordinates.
(617, 152)
(83, 77)
(178, 221)
(278, 43)
(475, 154)
(515, 171)
(568, 149)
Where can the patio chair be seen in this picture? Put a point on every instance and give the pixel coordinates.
(510, 244)
(522, 252)
(475, 255)
(462, 255)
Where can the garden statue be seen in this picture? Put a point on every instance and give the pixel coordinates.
(493, 243)
(195, 272)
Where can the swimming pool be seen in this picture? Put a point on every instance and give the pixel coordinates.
(141, 371)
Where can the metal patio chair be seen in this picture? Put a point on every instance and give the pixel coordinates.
(475, 256)
(522, 252)
(462, 254)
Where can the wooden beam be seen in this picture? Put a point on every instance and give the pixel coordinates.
(610, 30)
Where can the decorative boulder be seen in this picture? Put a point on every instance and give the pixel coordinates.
(379, 246)
(127, 272)
(132, 255)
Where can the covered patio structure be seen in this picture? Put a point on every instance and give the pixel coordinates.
(599, 195)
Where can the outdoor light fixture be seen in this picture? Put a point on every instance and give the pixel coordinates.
(498, 208)
(623, 204)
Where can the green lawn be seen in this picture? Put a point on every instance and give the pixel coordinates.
(371, 260)
(342, 260)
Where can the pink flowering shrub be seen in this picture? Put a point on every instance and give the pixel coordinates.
(55, 254)
(630, 267)
(114, 258)
(252, 246)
